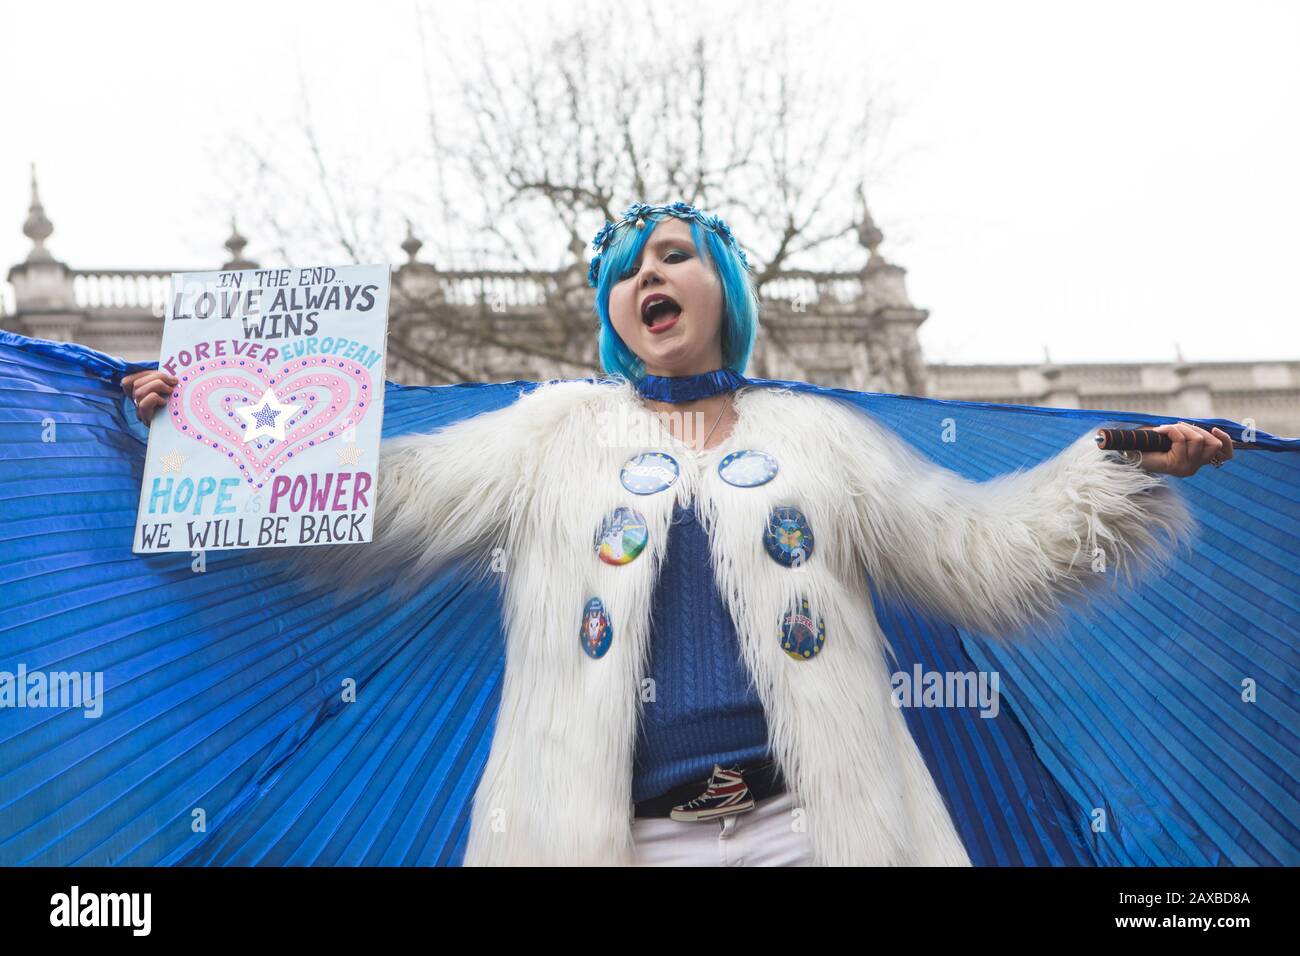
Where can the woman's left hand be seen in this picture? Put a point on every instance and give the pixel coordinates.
(1193, 447)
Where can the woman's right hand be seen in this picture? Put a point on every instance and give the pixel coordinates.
(150, 390)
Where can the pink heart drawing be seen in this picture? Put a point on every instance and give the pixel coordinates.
(333, 394)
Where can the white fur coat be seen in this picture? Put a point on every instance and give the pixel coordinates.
(524, 488)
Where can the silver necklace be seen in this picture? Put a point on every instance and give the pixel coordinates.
(702, 446)
(705, 444)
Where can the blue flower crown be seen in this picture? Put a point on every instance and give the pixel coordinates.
(639, 211)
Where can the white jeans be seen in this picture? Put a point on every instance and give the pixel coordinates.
(771, 834)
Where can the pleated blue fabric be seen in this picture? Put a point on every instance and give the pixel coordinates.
(689, 388)
(1160, 728)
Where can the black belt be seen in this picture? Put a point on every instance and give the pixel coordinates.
(763, 779)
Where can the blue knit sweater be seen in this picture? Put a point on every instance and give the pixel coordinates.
(705, 709)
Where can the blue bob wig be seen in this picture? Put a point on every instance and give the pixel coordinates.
(739, 298)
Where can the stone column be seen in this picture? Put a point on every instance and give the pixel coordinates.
(1192, 399)
(894, 347)
(45, 305)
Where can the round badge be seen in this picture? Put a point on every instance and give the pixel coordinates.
(596, 632)
(748, 468)
(788, 537)
(623, 536)
(801, 637)
(648, 473)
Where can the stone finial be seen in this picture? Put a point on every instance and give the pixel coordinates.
(235, 246)
(884, 285)
(38, 227)
(1049, 369)
(411, 245)
(869, 234)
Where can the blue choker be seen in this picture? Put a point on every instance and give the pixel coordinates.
(689, 388)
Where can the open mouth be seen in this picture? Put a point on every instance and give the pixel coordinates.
(660, 312)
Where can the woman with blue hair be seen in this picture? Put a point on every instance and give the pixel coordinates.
(694, 564)
(715, 621)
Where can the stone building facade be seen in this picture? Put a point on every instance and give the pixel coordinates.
(855, 330)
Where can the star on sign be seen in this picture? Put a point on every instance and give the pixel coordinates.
(350, 455)
(266, 418)
(172, 461)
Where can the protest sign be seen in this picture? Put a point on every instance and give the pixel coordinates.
(271, 436)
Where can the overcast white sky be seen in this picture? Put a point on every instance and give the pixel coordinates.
(1103, 179)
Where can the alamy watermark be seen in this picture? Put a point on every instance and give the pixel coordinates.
(625, 428)
(57, 689)
(76, 908)
(921, 688)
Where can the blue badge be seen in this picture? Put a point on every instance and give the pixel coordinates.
(596, 632)
(801, 637)
(623, 536)
(748, 468)
(788, 537)
(648, 473)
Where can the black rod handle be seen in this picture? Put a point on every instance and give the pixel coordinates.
(1132, 439)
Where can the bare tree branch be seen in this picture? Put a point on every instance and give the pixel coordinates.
(537, 139)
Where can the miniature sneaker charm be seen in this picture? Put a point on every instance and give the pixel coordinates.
(727, 793)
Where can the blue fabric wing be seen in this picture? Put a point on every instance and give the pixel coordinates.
(1130, 741)
(227, 736)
